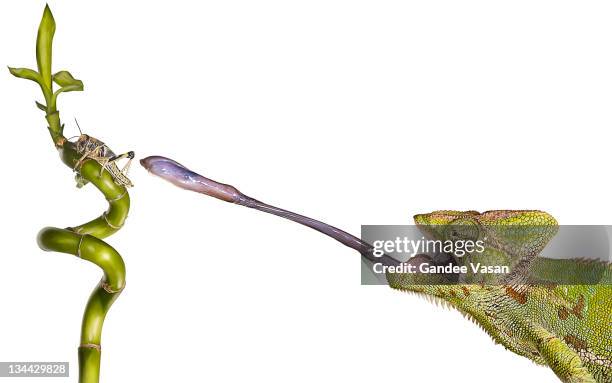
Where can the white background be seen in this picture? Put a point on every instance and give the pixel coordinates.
(353, 112)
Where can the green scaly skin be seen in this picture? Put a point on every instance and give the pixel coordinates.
(566, 326)
(84, 241)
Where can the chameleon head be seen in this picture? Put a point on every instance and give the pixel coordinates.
(516, 232)
(499, 237)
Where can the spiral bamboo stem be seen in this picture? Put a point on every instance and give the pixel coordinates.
(84, 241)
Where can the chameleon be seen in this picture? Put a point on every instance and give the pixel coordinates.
(556, 322)
(567, 327)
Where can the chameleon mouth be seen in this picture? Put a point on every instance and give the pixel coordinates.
(436, 260)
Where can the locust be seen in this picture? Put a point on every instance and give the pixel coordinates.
(92, 148)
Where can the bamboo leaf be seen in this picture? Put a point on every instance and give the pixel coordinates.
(44, 45)
(64, 78)
(26, 73)
(41, 106)
(69, 88)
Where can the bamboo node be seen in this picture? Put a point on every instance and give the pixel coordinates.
(78, 254)
(60, 142)
(118, 198)
(107, 287)
(91, 345)
(110, 224)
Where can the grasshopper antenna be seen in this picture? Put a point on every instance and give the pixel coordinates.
(80, 132)
(77, 124)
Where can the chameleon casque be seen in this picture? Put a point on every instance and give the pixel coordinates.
(541, 309)
(566, 327)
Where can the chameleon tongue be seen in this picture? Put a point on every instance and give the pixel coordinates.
(181, 176)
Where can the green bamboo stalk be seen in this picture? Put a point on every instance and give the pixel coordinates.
(84, 241)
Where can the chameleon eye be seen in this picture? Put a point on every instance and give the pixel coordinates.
(466, 229)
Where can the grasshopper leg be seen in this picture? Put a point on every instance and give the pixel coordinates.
(103, 162)
(126, 168)
(79, 162)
